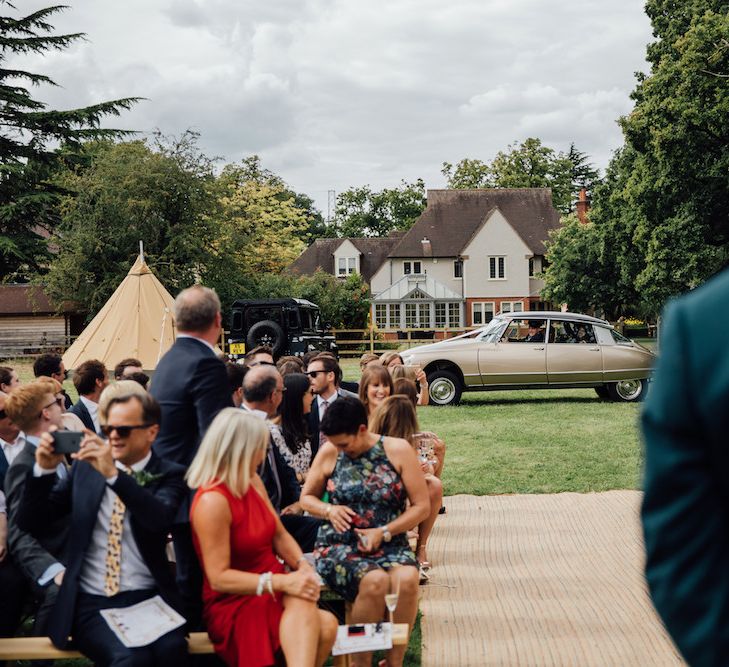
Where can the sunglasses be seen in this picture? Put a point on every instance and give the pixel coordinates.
(122, 431)
(57, 401)
(313, 374)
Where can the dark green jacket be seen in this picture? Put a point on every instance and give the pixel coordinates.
(686, 505)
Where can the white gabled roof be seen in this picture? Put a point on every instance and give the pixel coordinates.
(417, 286)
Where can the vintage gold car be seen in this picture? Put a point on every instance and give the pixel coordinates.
(535, 350)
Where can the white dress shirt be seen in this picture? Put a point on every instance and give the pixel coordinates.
(135, 574)
(12, 449)
(93, 409)
(329, 400)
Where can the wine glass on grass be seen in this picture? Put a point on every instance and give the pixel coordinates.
(391, 598)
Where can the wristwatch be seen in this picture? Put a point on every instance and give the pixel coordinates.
(386, 534)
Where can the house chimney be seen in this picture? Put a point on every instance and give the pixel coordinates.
(427, 247)
(583, 206)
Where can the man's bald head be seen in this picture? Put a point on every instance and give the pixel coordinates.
(197, 309)
(260, 382)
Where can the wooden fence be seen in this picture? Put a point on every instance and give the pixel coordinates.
(354, 342)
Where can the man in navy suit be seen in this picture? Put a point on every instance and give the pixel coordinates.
(122, 500)
(324, 374)
(191, 386)
(90, 379)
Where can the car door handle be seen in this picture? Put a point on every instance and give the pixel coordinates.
(594, 349)
(539, 348)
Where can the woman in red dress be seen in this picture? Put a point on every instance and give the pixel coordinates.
(253, 607)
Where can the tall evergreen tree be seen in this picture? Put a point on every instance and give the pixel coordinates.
(34, 140)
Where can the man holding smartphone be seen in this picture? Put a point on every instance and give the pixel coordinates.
(35, 408)
(123, 500)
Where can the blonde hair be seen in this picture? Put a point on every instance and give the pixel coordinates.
(387, 357)
(117, 390)
(367, 358)
(407, 372)
(25, 405)
(227, 451)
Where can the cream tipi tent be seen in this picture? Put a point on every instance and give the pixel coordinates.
(137, 321)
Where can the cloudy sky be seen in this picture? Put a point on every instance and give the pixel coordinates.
(337, 93)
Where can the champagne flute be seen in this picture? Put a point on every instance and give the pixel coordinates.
(391, 599)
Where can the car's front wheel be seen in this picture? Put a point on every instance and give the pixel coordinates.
(444, 388)
(628, 391)
(603, 391)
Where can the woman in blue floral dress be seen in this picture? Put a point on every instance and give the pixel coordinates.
(362, 549)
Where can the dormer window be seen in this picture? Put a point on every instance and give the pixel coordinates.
(346, 266)
(415, 268)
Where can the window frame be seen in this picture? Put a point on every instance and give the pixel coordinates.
(482, 312)
(458, 268)
(497, 267)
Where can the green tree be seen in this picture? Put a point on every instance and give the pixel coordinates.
(29, 139)
(679, 129)
(166, 196)
(361, 212)
(527, 165)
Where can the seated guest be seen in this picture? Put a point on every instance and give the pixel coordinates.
(396, 418)
(114, 391)
(290, 364)
(259, 355)
(12, 581)
(51, 365)
(395, 365)
(9, 380)
(324, 373)
(254, 609)
(367, 359)
(263, 388)
(90, 379)
(407, 388)
(291, 433)
(374, 387)
(123, 500)
(126, 368)
(370, 478)
(35, 408)
(235, 374)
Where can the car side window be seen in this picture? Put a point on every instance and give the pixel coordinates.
(524, 331)
(572, 332)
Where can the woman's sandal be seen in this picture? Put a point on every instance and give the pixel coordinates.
(424, 574)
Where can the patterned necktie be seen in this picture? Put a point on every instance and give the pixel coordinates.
(112, 576)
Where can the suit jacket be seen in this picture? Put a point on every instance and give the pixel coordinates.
(33, 553)
(152, 511)
(290, 489)
(81, 411)
(314, 421)
(686, 503)
(191, 387)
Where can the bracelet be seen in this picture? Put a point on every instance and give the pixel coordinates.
(261, 584)
(269, 583)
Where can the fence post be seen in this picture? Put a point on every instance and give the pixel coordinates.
(372, 338)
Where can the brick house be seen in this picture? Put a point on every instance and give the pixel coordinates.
(470, 255)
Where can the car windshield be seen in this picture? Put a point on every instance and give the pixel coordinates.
(494, 329)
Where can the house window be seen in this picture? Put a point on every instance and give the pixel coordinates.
(454, 314)
(531, 267)
(381, 315)
(423, 315)
(412, 267)
(394, 322)
(440, 316)
(458, 268)
(482, 312)
(511, 306)
(497, 268)
(410, 315)
(346, 266)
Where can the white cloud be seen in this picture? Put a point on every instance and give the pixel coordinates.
(333, 93)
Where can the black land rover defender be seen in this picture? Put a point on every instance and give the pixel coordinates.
(289, 326)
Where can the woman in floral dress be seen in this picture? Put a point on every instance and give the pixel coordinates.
(368, 477)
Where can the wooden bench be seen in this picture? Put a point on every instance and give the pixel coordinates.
(40, 648)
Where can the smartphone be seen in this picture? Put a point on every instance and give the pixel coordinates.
(67, 442)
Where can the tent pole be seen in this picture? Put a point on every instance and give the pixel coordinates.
(141, 251)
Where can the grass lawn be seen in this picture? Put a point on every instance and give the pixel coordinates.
(542, 441)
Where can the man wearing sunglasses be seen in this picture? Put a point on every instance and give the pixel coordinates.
(35, 408)
(123, 500)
